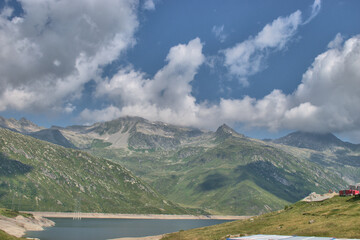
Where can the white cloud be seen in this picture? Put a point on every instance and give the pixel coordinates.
(315, 9)
(45, 66)
(106, 114)
(332, 84)
(49, 53)
(149, 5)
(218, 31)
(167, 96)
(336, 43)
(326, 100)
(248, 57)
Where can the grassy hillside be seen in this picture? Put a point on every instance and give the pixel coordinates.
(11, 214)
(231, 175)
(39, 176)
(5, 236)
(222, 172)
(337, 217)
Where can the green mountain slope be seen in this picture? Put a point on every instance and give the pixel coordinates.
(225, 173)
(39, 176)
(236, 176)
(337, 217)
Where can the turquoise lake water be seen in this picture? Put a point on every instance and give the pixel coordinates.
(101, 229)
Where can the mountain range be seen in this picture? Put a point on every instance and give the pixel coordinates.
(222, 172)
(40, 176)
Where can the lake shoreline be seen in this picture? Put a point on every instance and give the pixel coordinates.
(157, 237)
(132, 216)
(19, 225)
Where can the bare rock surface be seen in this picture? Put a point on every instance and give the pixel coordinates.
(19, 225)
(314, 197)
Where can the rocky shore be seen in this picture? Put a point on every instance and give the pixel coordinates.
(18, 225)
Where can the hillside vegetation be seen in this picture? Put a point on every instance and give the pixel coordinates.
(39, 176)
(223, 172)
(226, 173)
(5, 236)
(337, 217)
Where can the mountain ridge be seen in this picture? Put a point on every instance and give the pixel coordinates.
(39, 176)
(315, 141)
(23, 125)
(113, 126)
(215, 170)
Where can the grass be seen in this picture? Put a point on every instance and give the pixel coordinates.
(233, 177)
(97, 143)
(11, 214)
(5, 236)
(337, 217)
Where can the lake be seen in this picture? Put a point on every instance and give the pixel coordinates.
(101, 229)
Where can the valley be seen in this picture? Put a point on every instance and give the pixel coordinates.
(221, 172)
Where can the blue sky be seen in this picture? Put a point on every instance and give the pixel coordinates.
(263, 67)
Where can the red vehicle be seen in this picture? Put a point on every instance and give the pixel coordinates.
(352, 191)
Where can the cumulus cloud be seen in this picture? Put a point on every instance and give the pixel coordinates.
(55, 47)
(336, 43)
(326, 100)
(44, 65)
(248, 57)
(167, 96)
(332, 85)
(106, 114)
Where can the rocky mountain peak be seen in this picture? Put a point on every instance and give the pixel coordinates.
(315, 141)
(24, 122)
(23, 125)
(225, 131)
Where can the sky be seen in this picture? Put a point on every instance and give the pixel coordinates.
(264, 67)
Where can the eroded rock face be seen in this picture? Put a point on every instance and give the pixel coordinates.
(19, 225)
(23, 125)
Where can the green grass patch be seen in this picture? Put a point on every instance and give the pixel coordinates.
(11, 214)
(97, 143)
(5, 236)
(336, 217)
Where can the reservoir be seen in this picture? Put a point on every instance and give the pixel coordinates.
(101, 229)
